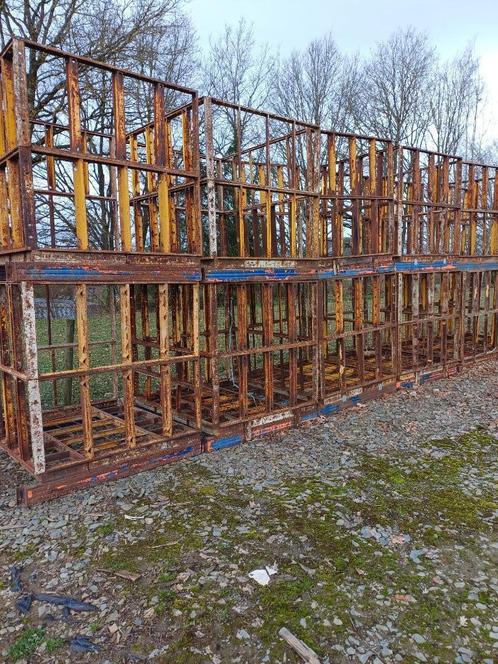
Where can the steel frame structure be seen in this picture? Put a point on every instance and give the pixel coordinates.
(100, 218)
(260, 181)
(357, 195)
(180, 275)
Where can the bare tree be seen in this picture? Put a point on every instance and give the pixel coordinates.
(318, 85)
(107, 30)
(237, 69)
(240, 71)
(485, 153)
(456, 99)
(396, 86)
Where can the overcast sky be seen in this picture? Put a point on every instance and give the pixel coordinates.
(358, 24)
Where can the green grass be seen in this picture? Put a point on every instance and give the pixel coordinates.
(54, 644)
(106, 529)
(423, 499)
(31, 638)
(27, 552)
(26, 643)
(99, 329)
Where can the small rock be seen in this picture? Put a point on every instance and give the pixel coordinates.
(365, 657)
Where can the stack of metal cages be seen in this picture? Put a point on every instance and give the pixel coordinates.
(428, 232)
(479, 247)
(260, 187)
(357, 298)
(100, 270)
(180, 275)
(447, 242)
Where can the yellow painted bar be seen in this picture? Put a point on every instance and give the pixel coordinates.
(331, 160)
(135, 184)
(9, 100)
(164, 213)
(473, 203)
(3, 141)
(76, 141)
(150, 156)
(124, 208)
(372, 166)
(80, 204)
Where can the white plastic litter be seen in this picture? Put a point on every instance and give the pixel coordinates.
(262, 576)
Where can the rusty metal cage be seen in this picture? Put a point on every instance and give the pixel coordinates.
(180, 275)
(357, 195)
(260, 355)
(357, 341)
(479, 216)
(429, 202)
(260, 183)
(99, 294)
(428, 324)
(70, 168)
(94, 373)
(480, 313)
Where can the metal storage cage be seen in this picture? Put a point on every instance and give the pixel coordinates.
(181, 275)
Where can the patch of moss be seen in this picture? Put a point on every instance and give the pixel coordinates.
(138, 556)
(26, 643)
(27, 552)
(105, 529)
(78, 545)
(54, 644)
(95, 626)
(284, 603)
(426, 492)
(166, 598)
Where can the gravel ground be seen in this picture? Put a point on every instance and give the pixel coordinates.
(378, 523)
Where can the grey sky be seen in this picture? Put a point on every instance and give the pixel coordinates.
(358, 24)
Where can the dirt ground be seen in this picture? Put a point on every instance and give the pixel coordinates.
(379, 525)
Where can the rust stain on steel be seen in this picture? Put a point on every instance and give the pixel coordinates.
(194, 297)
